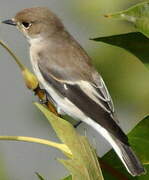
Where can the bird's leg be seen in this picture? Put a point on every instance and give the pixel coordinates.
(77, 124)
(42, 94)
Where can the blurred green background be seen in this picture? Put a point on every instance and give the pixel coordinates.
(126, 78)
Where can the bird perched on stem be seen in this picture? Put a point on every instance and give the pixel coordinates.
(65, 71)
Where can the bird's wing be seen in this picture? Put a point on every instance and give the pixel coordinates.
(92, 98)
(102, 93)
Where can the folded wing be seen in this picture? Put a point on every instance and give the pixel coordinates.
(90, 99)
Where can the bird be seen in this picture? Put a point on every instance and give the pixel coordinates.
(72, 83)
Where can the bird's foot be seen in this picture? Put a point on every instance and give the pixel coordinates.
(42, 94)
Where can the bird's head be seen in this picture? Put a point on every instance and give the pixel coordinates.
(35, 22)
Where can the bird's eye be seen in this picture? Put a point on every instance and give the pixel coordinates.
(26, 24)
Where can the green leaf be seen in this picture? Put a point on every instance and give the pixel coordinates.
(139, 140)
(67, 178)
(84, 163)
(134, 42)
(138, 15)
(39, 176)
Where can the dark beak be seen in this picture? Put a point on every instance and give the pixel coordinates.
(10, 22)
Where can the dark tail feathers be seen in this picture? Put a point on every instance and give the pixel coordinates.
(130, 160)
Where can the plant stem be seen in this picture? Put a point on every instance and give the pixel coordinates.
(59, 146)
(22, 67)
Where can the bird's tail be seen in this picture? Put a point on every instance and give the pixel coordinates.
(124, 151)
(129, 159)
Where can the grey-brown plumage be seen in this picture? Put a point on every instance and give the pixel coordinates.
(75, 87)
(57, 71)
